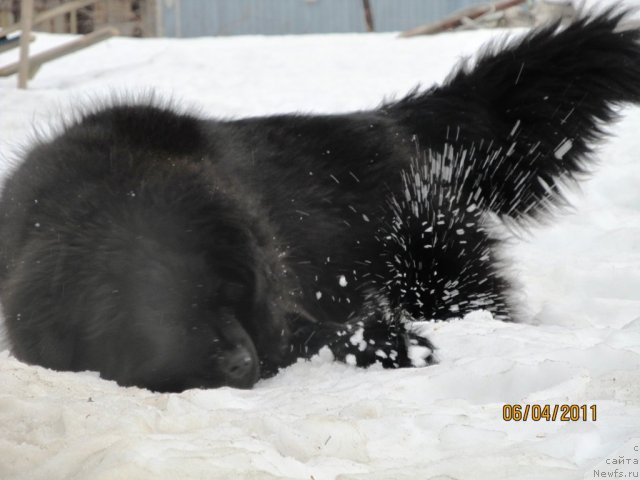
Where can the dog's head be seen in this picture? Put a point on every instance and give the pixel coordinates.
(203, 297)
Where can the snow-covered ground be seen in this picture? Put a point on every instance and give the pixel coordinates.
(580, 276)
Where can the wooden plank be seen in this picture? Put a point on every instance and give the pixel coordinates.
(26, 17)
(85, 41)
(73, 21)
(456, 19)
(368, 15)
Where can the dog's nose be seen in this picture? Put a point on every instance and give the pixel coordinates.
(241, 368)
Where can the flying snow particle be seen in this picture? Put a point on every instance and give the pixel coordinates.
(357, 339)
(342, 281)
(563, 148)
(515, 128)
(318, 295)
(519, 73)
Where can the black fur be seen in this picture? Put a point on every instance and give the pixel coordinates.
(169, 251)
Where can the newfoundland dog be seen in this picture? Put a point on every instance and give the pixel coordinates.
(170, 252)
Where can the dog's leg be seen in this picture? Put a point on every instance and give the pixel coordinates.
(364, 342)
(437, 257)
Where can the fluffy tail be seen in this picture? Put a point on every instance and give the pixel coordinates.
(527, 113)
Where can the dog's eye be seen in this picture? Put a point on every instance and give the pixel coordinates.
(232, 291)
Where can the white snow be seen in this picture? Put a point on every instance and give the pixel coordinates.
(563, 149)
(357, 339)
(580, 276)
(419, 355)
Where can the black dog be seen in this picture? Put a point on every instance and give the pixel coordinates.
(170, 252)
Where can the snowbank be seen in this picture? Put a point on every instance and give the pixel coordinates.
(319, 420)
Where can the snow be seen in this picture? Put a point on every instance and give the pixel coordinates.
(357, 339)
(579, 342)
(563, 149)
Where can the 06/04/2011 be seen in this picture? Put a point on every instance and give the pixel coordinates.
(550, 413)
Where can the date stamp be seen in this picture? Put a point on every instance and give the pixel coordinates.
(536, 412)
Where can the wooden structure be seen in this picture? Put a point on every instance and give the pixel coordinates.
(462, 17)
(503, 13)
(134, 18)
(26, 66)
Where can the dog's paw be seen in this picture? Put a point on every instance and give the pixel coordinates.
(405, 349)
(365, 343)
(418, 351)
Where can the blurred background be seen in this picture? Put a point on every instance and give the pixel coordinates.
(193, 18)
